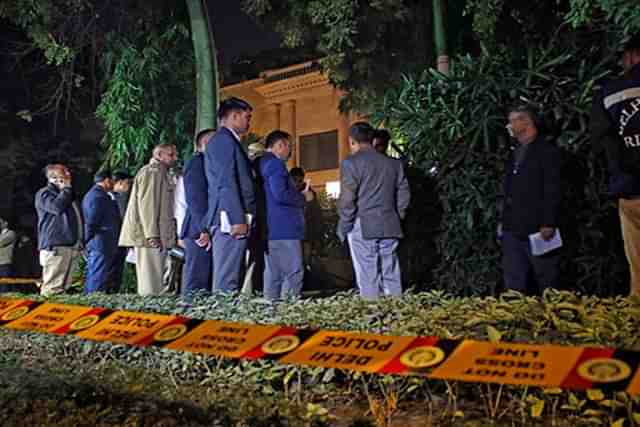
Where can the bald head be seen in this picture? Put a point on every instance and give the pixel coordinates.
(166, 154)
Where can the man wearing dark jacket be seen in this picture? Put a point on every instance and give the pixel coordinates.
(231, 194)
(197, 246)
(615, 128)
(60, 230)
(101, 230)
(532, 195)
(374, 197)
(284, 220)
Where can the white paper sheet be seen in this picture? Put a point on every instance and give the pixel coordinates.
(539, 246)
(225, 226)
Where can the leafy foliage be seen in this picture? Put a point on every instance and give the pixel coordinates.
(454, 128)
(363, 44)
(149, 97)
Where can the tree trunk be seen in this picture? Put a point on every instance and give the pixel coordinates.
(440, 35)
(207, 85)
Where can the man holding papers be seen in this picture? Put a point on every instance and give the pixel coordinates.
(532, 195)
(232, 198)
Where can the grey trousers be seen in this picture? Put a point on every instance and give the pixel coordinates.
(228, 261)
(150, 264)
(283, 269)
(376, 264)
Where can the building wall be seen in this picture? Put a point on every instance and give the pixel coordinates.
(301, 101)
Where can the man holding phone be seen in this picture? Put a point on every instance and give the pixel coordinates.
(60, 230)
(285, 203)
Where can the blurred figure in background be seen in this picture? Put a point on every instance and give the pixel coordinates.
(7, 243)
(312, 217)
(120, 194)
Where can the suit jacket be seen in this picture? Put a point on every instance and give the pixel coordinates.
(230, 181)
(533, 193)
(101, 221)
(150, 209)
(373, 189)
(195, 188)
(284, 203)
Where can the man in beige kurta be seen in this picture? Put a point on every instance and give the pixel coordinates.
(149, 225)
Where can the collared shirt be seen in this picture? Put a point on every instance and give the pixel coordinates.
(234, 133)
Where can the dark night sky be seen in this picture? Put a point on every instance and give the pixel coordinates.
(236, 33)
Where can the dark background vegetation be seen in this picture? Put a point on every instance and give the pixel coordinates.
(91, 83)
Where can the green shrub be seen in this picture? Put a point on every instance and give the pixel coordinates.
(454, 131)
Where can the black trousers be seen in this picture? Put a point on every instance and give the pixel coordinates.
(524, 272)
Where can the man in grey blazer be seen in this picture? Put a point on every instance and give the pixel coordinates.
(374, 196)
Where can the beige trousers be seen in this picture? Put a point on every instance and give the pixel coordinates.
(150, 265)
(630, 221)
(57, 266)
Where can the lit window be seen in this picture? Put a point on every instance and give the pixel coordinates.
(333, 189)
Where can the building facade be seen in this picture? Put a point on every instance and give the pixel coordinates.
(301, 101)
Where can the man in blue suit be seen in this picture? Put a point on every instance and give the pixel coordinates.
(232, 198)
(197, 259)
(102, 228)
(284, 220)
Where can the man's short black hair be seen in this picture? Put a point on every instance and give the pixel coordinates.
(532, 111)
(232, 104)
(633, 44)
(297, 172)
(274, 137)
(383, 135)
(361, 132)
(120, 175)
(200, 136)
(102, 175)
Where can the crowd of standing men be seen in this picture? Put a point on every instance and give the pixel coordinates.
(245, 213)
(242, 215)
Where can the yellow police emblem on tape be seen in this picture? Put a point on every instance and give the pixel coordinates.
(84, 322)
(281, 344)
(604, 370)
(170, 332)
(422, 357)
(16, 313)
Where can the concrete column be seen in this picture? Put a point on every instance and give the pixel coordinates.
(288, 124)
(344, 121)
(273, 112)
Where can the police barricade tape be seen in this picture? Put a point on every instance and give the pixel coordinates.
(19, 281)
(465, 360)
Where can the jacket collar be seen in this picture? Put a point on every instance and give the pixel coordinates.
(53, 188)
(232, 132)
(157, 163)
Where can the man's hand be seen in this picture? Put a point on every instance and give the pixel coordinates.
(239, 231)
(204, 241)
(547, 233)
(180, 243)
(154, 242)
(307, 192)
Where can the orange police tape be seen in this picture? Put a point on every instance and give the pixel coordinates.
(19, 281)
(466, 360)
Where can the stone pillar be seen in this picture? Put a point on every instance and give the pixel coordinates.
(273, 112)
(344, 121)
(288, 124)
